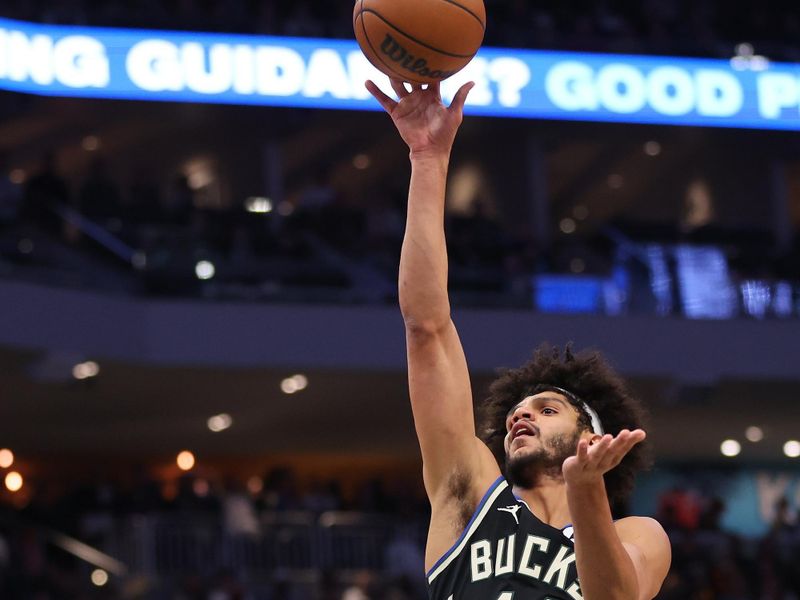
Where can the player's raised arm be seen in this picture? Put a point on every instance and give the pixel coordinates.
(627, 559)
(441, 396)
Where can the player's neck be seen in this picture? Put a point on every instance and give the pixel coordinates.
(548, 501)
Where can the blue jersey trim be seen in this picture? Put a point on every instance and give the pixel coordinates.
(488, 493)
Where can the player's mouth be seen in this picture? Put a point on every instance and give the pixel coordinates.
(522, 429)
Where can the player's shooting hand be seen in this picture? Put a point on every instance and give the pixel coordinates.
(424, 122)
(592, 461)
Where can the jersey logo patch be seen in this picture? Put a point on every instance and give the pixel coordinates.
(513, 509)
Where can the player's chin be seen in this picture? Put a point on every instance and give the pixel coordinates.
(524, 441)
(521, 447)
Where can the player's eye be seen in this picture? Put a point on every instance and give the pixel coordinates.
(549, 411)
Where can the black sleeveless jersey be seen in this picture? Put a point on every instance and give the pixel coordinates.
(506, 553)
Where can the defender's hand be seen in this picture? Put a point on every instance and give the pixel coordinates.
(424, 123)
(592, 461)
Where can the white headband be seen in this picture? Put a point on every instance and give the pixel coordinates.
(596, 426)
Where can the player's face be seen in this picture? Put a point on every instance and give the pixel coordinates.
(536, 420)
(542, 434)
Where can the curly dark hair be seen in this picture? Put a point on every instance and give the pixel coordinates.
(589, 377)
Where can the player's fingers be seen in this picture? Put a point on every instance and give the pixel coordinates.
(387, 103)
(619, 446)
(636, 437)
(399, 88)
(436, 88)
(600, 448)
(628, 439)
(622, 444)
(583, 450)
(416, 86)
(460, 98)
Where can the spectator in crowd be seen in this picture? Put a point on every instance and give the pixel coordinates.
(360, 588)
(405, 561)
(280, 490)
(238, 511)
(779, 555)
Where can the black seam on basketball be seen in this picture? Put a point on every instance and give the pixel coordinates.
(461, 6)
(413, 39)
(371, 47)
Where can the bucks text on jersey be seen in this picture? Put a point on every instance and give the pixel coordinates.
(506, 553)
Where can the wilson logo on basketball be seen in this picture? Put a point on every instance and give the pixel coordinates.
(392, 50)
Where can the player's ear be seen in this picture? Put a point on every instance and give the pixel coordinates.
(592, 437)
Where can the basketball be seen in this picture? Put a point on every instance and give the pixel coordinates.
(420, 41)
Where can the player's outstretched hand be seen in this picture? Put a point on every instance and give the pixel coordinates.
(424, 122)
(592, 461)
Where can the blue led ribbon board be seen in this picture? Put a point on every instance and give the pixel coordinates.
(175, 66)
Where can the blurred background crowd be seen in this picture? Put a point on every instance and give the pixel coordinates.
(286, 537)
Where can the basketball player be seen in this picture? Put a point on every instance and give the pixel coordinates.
(564, 428)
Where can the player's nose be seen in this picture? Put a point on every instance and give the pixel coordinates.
(522, 412)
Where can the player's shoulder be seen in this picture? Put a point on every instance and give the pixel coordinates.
(641, 530)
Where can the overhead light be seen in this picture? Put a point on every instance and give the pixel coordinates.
(6, 458)
(99, 577)
(577, 265)
(745, 58)
(652, 148)
(754, 433)
(567, 225)
(185, 460)
(86, 370)
(792, 448)
(204, 270)
(730, 448)
(14, 481)
(301, 381)
(293, 384)
(220, 422)
(258, 205)
(199, 173)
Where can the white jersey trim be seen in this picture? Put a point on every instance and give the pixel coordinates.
(483, 508)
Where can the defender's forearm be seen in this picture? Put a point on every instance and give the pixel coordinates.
(423, 260)
(605, 569)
